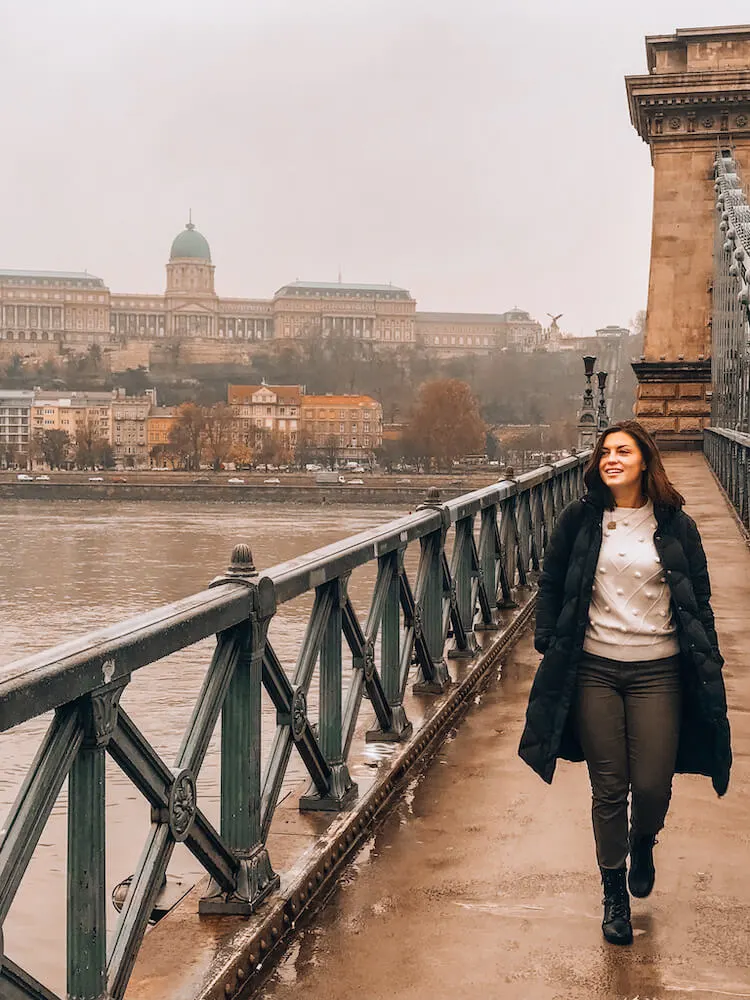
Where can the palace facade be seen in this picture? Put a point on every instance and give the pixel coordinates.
(51, 311)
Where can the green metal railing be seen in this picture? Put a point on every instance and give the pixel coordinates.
(499, 538)
(728, 454)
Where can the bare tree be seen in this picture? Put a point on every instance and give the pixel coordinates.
(188, 433)
(219, 423)
(331, 451)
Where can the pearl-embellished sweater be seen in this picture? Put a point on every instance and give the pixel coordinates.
(630, 616)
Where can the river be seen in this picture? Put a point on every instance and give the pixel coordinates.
(71, 567)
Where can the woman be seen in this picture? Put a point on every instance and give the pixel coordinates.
(630, 680)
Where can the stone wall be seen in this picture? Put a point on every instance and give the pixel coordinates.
(406, 498)
(674, 409)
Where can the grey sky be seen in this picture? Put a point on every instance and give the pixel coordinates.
(477, 152)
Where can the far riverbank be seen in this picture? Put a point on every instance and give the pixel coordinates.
(296, 488)
(399, 496)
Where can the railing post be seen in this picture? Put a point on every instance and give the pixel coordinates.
(431, 560)
(241, 755)
(462, 579)
(86, 879)
(390, 654)
(508, 553)
(343, 791)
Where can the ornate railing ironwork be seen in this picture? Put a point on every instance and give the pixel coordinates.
(730, 349)
(499, 535)
(728, 453)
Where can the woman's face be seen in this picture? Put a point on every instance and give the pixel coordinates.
(621, 464)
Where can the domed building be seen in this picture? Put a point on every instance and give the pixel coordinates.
(190, 244)
(190, 269)
(71, 311)
(190, 309)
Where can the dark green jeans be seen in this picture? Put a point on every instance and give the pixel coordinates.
(628, 717)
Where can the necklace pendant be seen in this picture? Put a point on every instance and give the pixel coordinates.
(611, 525)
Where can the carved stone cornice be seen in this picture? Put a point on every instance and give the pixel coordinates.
(696, 105)
(673, 371)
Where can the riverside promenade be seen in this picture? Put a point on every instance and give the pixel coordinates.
(483, 881)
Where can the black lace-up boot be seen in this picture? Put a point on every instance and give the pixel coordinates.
(616, 925)
(642, 872)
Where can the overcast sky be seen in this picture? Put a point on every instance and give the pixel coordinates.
(477, 152)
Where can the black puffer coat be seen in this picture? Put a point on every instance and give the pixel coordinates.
(562, 616)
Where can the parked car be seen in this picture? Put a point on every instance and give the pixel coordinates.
(201, 479)
(356, 482)
(42, 479)
(23, 478)
(96, 479)
(235, 481)
(119, 479)
(273, 481)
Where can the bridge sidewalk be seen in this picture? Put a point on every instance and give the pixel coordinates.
(483, 883)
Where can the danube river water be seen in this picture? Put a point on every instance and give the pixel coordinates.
(70, 567)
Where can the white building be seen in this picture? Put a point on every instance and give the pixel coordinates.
(15, 425)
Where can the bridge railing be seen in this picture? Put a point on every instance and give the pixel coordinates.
(730, 323)
(473, 551)
(728, 453)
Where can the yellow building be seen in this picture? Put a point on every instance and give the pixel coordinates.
(73, 412)
(159, 423)
(352, 424)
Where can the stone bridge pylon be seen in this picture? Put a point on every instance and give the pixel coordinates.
(694, 101)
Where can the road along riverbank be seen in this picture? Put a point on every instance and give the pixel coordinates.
(395, 496)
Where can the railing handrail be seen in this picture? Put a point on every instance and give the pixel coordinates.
(737, 436)
(44, 681)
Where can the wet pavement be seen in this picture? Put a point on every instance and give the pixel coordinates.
(483, 881)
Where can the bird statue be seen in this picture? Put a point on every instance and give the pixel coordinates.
(555, 318)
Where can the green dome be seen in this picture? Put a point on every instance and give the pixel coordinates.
(190, 243)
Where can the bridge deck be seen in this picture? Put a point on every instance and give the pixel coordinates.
(483, 883)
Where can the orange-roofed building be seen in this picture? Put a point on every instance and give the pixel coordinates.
(271, 408)
(159, 422)
(355, 422)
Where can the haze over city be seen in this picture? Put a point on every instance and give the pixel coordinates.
(480, 155)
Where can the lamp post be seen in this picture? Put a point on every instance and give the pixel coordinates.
(587, 413)
(602, 417)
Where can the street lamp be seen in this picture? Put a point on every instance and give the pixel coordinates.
(586, 415)
(602, 419)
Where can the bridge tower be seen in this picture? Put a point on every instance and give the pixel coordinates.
(694, 99)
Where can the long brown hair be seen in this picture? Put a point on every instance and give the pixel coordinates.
(655, 483)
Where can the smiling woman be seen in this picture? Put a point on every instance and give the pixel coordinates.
(631, 677)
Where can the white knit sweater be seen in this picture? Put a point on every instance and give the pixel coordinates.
(630, 616)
